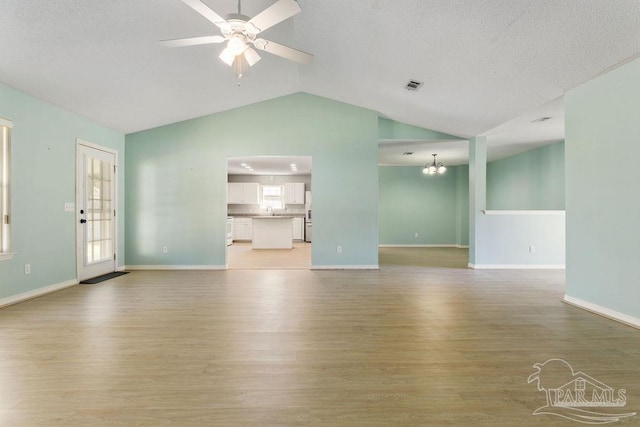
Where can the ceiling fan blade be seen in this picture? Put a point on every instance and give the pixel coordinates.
(274, 14)
(192, 41)
(251, 56)
(284, 51)
(206, 11)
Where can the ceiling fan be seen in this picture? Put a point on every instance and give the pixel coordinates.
(240, 32)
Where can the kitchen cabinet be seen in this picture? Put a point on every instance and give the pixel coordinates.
(243, 193)
(242, 228)
(294, 193)
(298, 228)
(229, 231)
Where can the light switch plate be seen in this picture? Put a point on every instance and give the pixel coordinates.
(69, 207)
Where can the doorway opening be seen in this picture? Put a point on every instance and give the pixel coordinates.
(269, 212)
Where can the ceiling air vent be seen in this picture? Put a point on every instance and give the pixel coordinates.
(407, 153)
(541, 119)
(413, 85)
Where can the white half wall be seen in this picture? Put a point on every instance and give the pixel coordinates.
(523, 239)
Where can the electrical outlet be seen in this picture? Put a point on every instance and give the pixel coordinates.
(27, 269)
(416, 235)
(532, 249)
(339, 249)
(165, 249)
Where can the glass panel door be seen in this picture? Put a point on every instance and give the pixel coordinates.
(96, 225)
(99, 234)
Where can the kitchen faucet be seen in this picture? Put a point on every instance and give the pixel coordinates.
(270, 207)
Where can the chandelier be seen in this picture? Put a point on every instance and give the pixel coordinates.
(434, 168)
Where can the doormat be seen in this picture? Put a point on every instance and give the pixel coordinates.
(102, 278)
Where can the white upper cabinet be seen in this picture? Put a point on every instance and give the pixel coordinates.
(251, 193)
(235, 192)
(243, 193)
(294, 193)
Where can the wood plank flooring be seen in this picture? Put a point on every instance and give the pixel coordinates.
(241, 256)
(405, 345)
(424, 257)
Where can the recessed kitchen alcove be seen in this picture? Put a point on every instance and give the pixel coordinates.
(264, 195)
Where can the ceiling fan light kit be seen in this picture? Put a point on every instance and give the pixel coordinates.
(240, 31)
(240, 66)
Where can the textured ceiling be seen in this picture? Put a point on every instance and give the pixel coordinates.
(487, 65)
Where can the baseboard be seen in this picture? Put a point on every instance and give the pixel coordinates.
(345, 267)
(14, 299)
(120, 268)
(523, 212)
(603, 311)
(423, 246)
(175, 267)
(517, 266)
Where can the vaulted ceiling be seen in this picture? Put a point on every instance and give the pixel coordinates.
(489, 66)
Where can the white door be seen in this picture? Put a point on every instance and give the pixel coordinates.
(95, 206)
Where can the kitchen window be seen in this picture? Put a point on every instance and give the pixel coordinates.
(5, 139)
(272, 195)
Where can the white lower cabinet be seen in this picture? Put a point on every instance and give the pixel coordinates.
(298, 228)
(242, 229)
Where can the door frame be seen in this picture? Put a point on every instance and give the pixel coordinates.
(79, 196)
(226, 199)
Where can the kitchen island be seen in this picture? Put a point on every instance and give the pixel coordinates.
(272, 232)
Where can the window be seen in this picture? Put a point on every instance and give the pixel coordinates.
(272, 195)
(5, 139)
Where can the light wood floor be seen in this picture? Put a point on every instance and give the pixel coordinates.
(241, 256)
(404, 345)
(424, 257)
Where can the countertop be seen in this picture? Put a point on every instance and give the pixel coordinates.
(257, 215)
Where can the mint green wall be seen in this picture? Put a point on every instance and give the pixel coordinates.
(176, 179)
(602, 130)
(407, 197)
(410, 202)
(478, 238)
(462, 205)
(43, 167)
(532, 180)
(390, 129)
